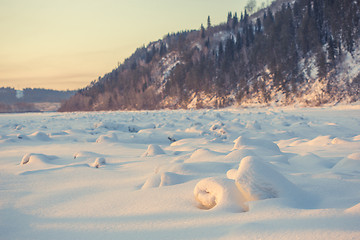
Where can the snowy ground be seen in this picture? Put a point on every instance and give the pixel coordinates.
(279, 173)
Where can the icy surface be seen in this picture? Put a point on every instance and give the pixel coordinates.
(256, 173)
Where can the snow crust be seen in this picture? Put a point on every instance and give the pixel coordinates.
(254, 173)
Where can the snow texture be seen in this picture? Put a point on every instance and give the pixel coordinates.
(254, 173)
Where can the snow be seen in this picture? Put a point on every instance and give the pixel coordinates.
(254, 173)
(153, 150)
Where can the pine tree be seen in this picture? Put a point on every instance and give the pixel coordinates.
(202, 31)
(238, 42)
(229, 20)
(235, 21)
(207, 42)
(258, 26)
(220, 53)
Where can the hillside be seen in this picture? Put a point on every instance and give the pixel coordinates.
(294, 52)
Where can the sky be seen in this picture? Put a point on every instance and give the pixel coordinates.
(66, 44)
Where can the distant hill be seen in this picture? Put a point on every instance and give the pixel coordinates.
(31, 99)
(293, 52)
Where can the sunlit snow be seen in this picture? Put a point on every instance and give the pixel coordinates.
(255, 173)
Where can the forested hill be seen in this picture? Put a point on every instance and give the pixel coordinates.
(304, 52)
(31, 99)
(33, 95)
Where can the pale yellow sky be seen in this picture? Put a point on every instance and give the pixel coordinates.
(65, 44)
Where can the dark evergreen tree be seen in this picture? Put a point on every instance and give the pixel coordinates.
(235, 21)
(258, 27)
(202, 31)
(208, 23)
(238, 42)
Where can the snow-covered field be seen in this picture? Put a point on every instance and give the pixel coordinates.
(259, 173)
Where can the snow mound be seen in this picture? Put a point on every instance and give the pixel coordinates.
(109, 138)
(220, 194)
(320, 141)
(164, 179)
(354, 209)
(40, 136)
(254, 125)
(203, 155)
(205, 168)
(109, 125)
(99, 162)
(170, 178)
(309, 162)
(350, 163)
(258, 180)
(153, 150)
(33, 158)
(339, 141)
(152, 181)
(356, 138)
(247, 143)
(22, 137)
(238, 154)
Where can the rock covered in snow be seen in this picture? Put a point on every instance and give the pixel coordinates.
(99, 162)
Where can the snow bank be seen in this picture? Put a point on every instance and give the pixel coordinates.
(219, 194)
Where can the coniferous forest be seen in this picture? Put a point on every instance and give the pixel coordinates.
(298, 51)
